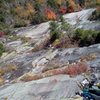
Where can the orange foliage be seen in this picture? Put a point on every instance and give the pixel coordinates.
(50, 14)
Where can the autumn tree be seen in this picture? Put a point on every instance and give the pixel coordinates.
(30, 10)
(50, 14)
(25, 12)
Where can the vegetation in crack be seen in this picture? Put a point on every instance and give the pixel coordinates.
(1, 49)
(54, 30)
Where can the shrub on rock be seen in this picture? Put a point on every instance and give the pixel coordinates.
(76, 69)
(86, 37)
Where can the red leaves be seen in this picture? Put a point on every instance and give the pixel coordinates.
(2, 34)
(71, 70)
(77, 69)
(50, 14)
(62, 10)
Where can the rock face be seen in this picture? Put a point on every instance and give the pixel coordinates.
(81, 19)
(35, 33)
(76, 17)
(43, 68)
(55, 87)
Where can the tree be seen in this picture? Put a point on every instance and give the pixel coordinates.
(25, 12)
(52, 4)
(50, 14)
(54, 30)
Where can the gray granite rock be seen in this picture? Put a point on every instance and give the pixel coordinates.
(51, 88)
